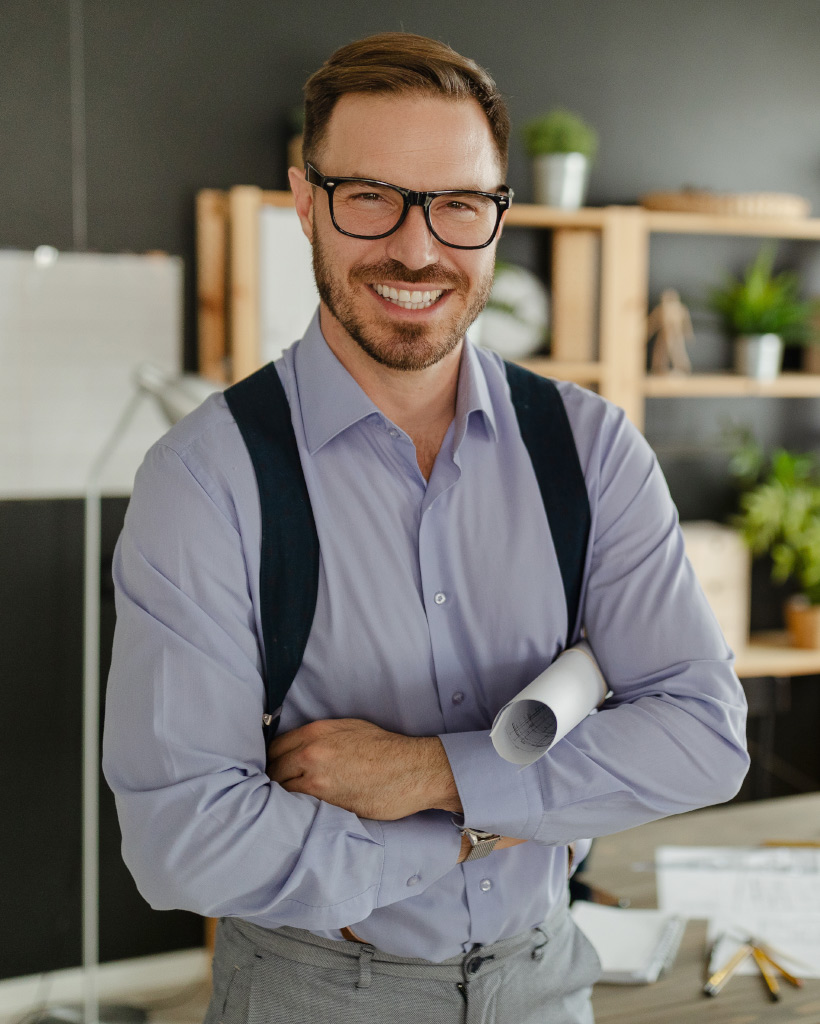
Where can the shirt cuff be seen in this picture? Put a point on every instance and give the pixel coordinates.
(496, 796)
(418, 851)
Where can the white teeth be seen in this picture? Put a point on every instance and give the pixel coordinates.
(407, 299)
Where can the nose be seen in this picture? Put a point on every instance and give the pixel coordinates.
(413, 244)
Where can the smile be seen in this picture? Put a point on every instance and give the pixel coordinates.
(407, 299)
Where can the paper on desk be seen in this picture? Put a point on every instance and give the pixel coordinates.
(771, 894)
(552, 704)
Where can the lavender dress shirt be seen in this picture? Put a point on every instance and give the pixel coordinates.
(438, 601)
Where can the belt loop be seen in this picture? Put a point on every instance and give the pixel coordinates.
(365, 960)
(538, 951)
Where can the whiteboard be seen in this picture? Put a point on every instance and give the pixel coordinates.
(287, 290)
(72, 330)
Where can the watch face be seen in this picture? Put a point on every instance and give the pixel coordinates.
(476, 834)
(482, 842)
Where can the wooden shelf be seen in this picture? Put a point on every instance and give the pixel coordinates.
(728, 385)
(769, 654)
(530, 215)
(708, 224)
(579, 372)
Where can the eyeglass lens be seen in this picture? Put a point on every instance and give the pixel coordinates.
(460, 218)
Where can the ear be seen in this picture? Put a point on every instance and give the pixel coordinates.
(303, 198)
(501, 224)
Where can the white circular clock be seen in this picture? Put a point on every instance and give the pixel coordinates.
(515, 320)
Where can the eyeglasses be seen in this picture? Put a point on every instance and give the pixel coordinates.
(363, 208)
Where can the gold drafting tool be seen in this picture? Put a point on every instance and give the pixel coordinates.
(766, 964)
(767, 973)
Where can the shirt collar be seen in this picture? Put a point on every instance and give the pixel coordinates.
(473, 395)
(331, 400)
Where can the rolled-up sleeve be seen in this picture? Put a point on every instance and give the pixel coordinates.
(203, 827)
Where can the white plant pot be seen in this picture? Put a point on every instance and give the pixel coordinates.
(560, 179)
(759, 355)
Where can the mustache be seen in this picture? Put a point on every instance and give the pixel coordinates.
(388, 269)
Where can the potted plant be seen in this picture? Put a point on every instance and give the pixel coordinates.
(562, 147)
(780, 516)
(762, 312)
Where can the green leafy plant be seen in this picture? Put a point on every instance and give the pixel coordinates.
(780, 516)
(763, 303)
(560, 131)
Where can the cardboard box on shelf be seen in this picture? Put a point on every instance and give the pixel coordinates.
(722, 564)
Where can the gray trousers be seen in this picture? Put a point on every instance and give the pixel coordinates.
(290, 976)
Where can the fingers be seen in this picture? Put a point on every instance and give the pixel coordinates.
(312, 732)
(283, 769)
(285, 743)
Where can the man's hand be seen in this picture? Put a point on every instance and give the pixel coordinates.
(365, 769)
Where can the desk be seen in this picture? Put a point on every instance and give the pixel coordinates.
(677, 997)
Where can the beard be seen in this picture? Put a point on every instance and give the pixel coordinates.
(400, 346)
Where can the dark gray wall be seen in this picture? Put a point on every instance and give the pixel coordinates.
(183, 94)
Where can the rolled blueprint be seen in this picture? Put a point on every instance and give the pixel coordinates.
(552, 704)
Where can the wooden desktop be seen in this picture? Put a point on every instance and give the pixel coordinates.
(621, 864)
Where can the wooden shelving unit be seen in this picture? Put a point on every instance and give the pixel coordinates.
(599, 300)
(586, 373)
(756, 227)
(727, 385)
(613, 262)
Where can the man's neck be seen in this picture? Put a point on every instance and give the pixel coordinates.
(421, 402)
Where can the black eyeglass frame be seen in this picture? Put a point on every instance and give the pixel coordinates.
(502, 200)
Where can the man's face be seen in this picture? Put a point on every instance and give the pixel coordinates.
(423, 143)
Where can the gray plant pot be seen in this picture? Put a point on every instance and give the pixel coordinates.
(560, 179)
(759, 355)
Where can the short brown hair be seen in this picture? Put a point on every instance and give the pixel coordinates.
(400, 62)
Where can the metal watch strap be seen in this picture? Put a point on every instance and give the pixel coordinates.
(482, 843)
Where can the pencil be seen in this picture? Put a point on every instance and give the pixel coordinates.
(810, 844)
(767, 973)
(720, 977)
(792, 980)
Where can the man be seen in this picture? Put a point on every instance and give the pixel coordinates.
(338, 858)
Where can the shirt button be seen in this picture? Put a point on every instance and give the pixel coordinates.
(457, 698)
(485, 885)
(440, 598)
(413, 880)
(393, 432)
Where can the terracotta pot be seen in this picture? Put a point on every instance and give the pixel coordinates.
(803, 622)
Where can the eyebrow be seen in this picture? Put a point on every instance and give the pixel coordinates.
(459, 188)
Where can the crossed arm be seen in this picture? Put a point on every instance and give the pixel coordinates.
(367, 770)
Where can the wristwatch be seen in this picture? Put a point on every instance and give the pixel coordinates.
(482, 843)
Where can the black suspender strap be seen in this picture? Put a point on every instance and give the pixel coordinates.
(289, 568)
(547, 435)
